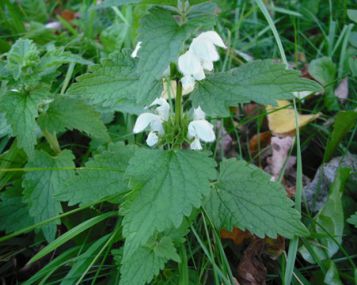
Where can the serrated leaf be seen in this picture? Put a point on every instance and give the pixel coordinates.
(42, 182)
(23, 56)
(162, 40)
(246, 198)
(66, 113)
(54, 58)
(166, 185)
(15, 210)
(102, 176)
(21, 113)
(261, 81)
(109, 84)
(146, 262)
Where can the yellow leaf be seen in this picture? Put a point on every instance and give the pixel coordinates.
(282, 120)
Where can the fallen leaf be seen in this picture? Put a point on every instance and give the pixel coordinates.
(282, 120)
(236, 235)
(262, 139)
(274, 247)
(251, 269)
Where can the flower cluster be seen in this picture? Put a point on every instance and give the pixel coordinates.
(199, 57)
(200, 130)
(192, 64)
(153, 121)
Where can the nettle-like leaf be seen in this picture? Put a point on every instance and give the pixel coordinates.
(166, 185)
(102, 176)
(246, 198)
(42, 182)
(21, 113)
(109, 84)
(162, 40)
(15, 210)
(23, 55)
(146, 261)
(261, 81)
(66, 113)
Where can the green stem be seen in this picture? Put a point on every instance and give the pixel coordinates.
(52, 141)
(178, 103)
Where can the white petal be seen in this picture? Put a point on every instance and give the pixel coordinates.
(189, 64)
(188, 83)
(201, 129)
(136, 49)
(199, 75)
(196, 145)
(213, 37)
(152, 139)
(198, 114)
(164, 108)
(204, 49)
(302, 94)
(207, 65)
(143, 121)
(156, 125)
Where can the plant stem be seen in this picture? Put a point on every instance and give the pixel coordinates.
(178, 103)
(52, 141)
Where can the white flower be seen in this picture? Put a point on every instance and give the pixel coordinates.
(301, 94)
(136, 49)
(199, 57)
(200, 130)
(153, 121)
(204, 47)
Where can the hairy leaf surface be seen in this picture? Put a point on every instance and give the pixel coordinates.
(261, 81)
(44, 179)
(166, 185)
(146, 262)
(66, 113)
(246, 198)
(102, 176)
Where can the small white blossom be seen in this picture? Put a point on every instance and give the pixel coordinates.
(301, 94)
(136, 49)
(199, 57)
(200, 130)
(153, 121)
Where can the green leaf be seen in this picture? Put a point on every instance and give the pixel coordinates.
(35, 10)
(82, 261)
(332, 277)
(102, 176)
(344, 122)
(21, 113)
(71, 234)
(352, 14)
(261, 81)
(162, 40)
(166, 185)
(54, 58)
(353, 220)
(42, 182)
(109, 84)
(23, 57)
(329, 221)
(15, 210)
(246, 198)
(66, 113)
(146, 262)
(324, 71)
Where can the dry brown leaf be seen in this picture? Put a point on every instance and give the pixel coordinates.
(282, 121)
(251, 269)
(236, 235)
(262, 138)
